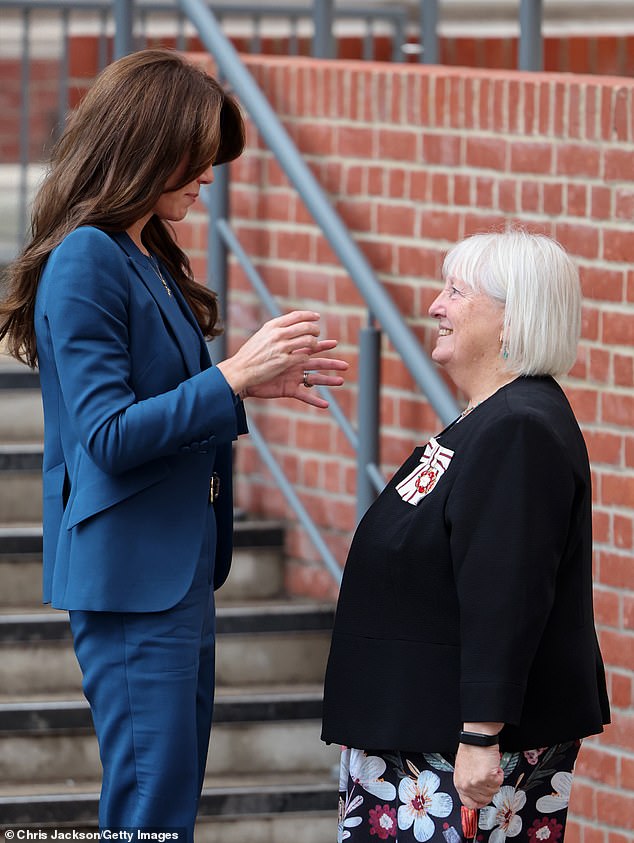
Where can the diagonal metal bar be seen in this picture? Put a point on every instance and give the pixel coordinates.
(271, 305)
(376, 477)
(294, 501)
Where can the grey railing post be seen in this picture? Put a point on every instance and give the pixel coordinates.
(429, 31)
(25, 76)
(122, 28)
(323, 41)
(217, 265)
(368, 413)
(531, 51)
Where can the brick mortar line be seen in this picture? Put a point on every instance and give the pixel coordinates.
(501, 135)
(363, 235)
(608, 749)
(616, 590)
(459, 168)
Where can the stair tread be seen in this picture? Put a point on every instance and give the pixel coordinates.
(262, 781)
(9, 363)
(224, 692)
(27, 528)
(34, 447)
(248, 533)
(287, 605)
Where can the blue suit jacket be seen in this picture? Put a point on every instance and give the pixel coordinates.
(135, 421)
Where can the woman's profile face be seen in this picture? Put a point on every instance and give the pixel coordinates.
(173, 204)
(469, 327)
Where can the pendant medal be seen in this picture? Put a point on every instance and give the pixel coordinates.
(426, 480)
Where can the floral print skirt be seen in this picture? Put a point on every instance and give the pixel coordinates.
(408, 797)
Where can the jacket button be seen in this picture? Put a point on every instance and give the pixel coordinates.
(214, 487)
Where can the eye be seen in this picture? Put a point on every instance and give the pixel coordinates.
(454, 291)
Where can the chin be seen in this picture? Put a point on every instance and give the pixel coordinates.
(439, 358)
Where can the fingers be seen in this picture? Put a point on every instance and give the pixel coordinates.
(477, 775)
(319, 347)
(308, 397)
(473, 803)
(326, 345)
(324, 380)
(294, 317)
(317, 374)
(296, 330)
(315, 377)
(329, 363)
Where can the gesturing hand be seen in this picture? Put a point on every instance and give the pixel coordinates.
(290, 383)
(477, 774)
(272, 362)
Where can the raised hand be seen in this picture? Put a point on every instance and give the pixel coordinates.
(271, 364)
(280, 344)
(290, 383)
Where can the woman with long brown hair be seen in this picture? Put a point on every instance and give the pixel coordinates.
(138, 423)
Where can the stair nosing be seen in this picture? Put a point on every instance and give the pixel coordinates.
(216, 802)
(261, 535)
(72, 717)
(271, 618)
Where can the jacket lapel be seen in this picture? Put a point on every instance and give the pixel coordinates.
(203, 359)
(195, 354)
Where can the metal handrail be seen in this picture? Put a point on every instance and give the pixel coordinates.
(293, 499)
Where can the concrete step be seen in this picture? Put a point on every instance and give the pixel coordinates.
(267, 644)
(20, 482)
(252, 733)
(257, 570)
(268, 808)
(318, 826)
(21, 417)
(16, 376)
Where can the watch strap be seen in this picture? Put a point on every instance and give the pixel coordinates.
(478, 739)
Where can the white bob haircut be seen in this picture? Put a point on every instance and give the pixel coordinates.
(538, 285)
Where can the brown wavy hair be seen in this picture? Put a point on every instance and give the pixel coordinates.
(145, 115)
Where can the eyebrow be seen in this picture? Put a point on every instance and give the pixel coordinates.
(452, 281)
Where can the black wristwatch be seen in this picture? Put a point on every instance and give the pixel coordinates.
(478, 739)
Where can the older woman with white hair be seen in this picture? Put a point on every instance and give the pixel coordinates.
(464, 668)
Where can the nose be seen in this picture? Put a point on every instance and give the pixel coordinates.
(207, 176)
(435, 308)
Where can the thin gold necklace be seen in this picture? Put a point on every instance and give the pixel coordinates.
(157, 270)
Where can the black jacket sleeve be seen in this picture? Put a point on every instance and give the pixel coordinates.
(509, 516)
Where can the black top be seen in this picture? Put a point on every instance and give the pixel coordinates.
(467, 594)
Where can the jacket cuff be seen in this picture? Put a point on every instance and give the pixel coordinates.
(491, 702)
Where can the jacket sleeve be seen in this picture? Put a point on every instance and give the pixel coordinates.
(86, 300)
(509, 515)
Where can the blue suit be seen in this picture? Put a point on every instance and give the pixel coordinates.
(136, 421)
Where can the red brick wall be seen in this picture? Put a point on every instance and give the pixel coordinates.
(601, 54)
(414, 159)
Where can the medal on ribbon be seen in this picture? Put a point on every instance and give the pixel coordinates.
(420, 482)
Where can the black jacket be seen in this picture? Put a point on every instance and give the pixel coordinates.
(475, 604)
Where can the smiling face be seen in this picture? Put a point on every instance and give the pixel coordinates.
(173, 204)
(470, 324)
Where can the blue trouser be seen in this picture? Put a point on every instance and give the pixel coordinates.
(149, 679)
